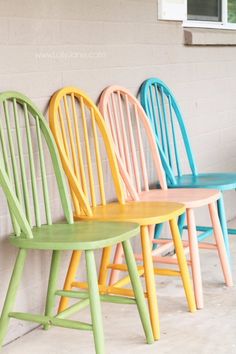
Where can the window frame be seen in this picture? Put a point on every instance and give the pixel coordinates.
(166, 11)
(224, 24)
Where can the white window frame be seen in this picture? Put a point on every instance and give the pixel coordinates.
(165, 12)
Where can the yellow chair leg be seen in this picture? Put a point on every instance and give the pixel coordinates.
(150, 281)
(70, 277)
(183, 265)
(103, 273)
(116, 260)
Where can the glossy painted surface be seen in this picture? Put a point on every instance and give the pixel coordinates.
(145, 213)
(221, 181)
(91, 206)
(78, 236)
(126, 120)
(189, 197)
(20, 111)
(68, 236)
(167, 123)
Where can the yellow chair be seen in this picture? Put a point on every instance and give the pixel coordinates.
(86, 151)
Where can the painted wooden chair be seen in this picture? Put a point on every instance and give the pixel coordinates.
(23, 133)
(136, 149)
(175, 149)
(88, 158)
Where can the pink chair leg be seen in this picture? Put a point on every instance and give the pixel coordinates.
(118, 256)
(117, 259)
(220, 244)
(195, 260)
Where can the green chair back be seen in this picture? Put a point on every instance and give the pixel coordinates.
(23, 172)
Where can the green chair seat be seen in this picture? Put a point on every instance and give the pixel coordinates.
(79, 236)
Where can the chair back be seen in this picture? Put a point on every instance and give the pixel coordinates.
(24, 165)
(85, 148)
(168, 126)
(135, 145)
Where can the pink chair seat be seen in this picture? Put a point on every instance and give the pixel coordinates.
(192, 198)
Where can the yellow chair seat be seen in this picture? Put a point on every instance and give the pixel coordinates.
(143, 213)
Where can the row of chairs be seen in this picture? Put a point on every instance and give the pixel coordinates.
(116, 143)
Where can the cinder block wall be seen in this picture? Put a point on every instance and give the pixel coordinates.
(45, 45)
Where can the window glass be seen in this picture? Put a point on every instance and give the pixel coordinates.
(205, 10)
(232, 11)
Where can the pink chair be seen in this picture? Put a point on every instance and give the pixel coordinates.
(134, 141)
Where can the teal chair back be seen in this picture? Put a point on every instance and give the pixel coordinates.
(167, 123)
(23, 174)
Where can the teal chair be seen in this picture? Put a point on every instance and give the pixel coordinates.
(173, 142)
(23, 133)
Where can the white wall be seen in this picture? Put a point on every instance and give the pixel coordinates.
(45, 45)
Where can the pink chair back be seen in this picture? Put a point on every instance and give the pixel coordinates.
(134, 141)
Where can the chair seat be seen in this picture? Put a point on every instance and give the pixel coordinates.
(191, 198)
(146, 213)
(78, 236)
(221, 181)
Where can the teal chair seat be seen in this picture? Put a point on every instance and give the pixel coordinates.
(221, 181)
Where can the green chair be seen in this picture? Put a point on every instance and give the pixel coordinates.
(23, 134)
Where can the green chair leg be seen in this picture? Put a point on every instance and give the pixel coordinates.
(95, 305)
(138, 291)
(11, 293)
(52, 282)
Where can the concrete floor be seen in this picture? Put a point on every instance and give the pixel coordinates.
(208, 331)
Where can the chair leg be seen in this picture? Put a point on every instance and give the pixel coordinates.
(223, 222)
(195, 260)
(151, 229)
(183, 265)
(52, 284)
(103, 271)
(220, 245)
(70, 277)
(11, 293)
(117, 259)
(95, 305)
(157, 234)
(150, 281)
(138, 291)
(181, 221)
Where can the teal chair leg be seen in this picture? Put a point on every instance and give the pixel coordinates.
(157, 234)
(159, 227)
(52, 285)
(222, 217)
(95, 305)
(181, 221)
(138, 291)
(11, 293)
